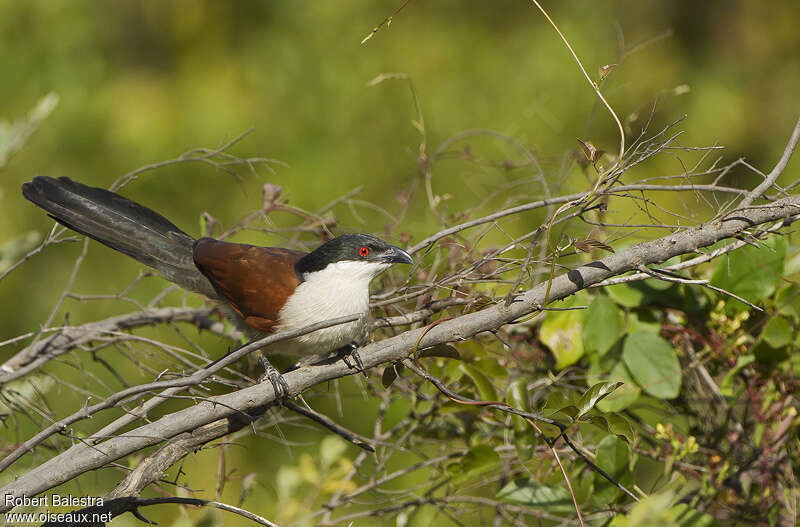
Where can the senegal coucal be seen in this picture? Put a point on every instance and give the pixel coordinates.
(271, 288)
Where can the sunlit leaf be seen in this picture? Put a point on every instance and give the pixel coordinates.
(486, 390)
(625, 395)
(595, 394)
(625, 295)
(602, 325)
(653, 364)
(561, 333)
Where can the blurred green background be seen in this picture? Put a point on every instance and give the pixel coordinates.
(143, 81)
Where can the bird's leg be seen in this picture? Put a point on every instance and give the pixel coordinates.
(351, 351)
(274, 376)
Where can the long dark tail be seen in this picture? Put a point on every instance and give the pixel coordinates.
(123, 225)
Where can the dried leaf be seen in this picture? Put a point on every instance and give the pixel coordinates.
(207, 224)
(681, 89)
(603, 71)
(390, 374)
(270, 193)
(588, 244)
(591, 152)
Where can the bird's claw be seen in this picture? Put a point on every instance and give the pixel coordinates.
(279, 384)
(351, 352)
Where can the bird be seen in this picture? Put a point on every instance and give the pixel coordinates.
(272, 289)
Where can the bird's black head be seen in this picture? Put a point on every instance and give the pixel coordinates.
(354, 248)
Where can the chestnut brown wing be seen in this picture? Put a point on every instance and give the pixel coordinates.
(257, 281)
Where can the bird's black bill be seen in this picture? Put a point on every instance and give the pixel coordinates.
(397, 255)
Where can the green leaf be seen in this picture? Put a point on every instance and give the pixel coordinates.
(749, 272)
(642, 320)
(559, 401)
(602, 326)
(625, 295)
(595, 394)
(561, 333)
(485, 388)
(619, 425)
(601, 365)
(478, 461)
(517, 396)
(726, 386)
(441, 350)
(788, 302)
(658, 285)
(558, 398)
(614, 423)
(653, 364)
(626, 395)
(533, 494)
(612, 455)
(792, 265)
(777, 332)
(491, 367)
(775, 341)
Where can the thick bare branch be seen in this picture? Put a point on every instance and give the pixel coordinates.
(169, 386)
(82, 457)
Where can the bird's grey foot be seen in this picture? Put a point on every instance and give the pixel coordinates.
(278, 382)
(351, 352)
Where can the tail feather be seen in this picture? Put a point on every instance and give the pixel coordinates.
(121, 224)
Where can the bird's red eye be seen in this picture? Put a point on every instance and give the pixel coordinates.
(363, 251)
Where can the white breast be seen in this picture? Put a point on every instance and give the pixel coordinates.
(341, 289)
